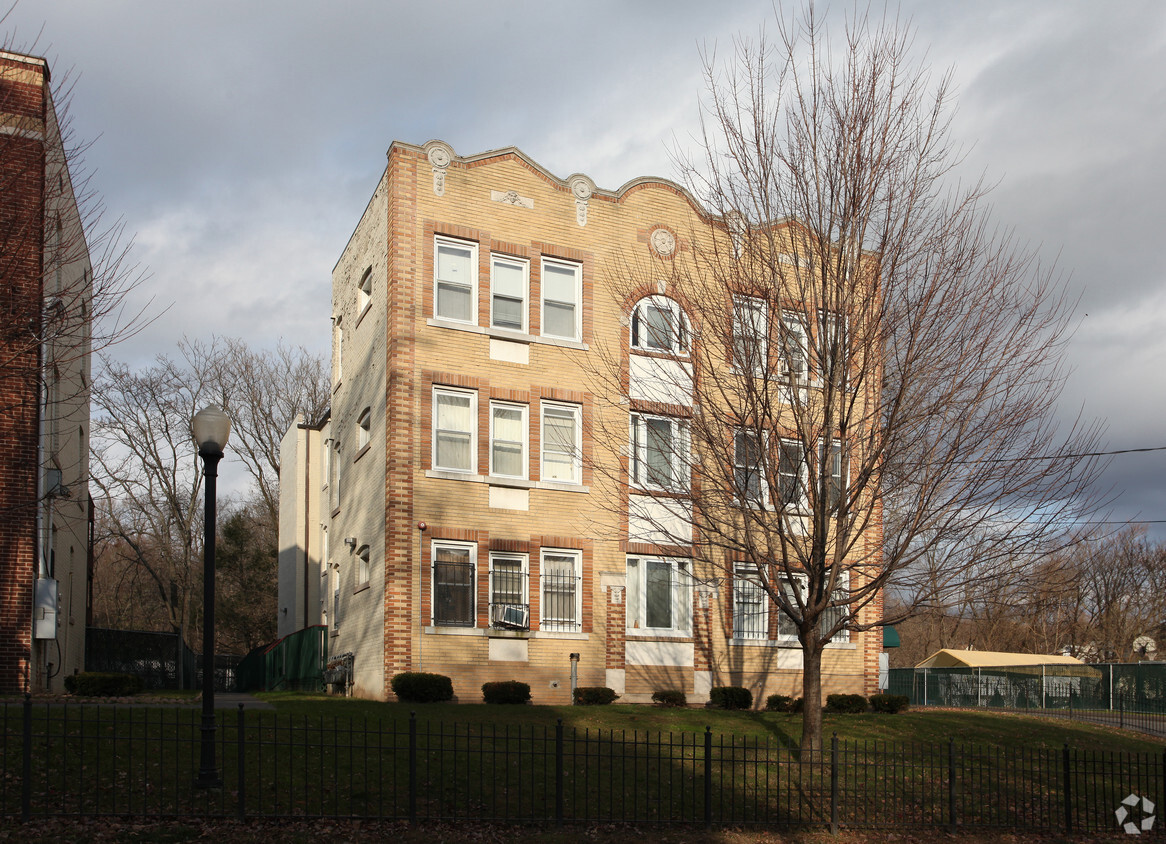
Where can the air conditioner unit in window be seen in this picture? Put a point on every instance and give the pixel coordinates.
(510, 615)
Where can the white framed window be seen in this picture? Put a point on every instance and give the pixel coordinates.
(749, 483)
(454, 578)
(561, 599)
(795, 360)
(750, 335)
(334, 475)
(750, 603)
(561, 437)
(658, 325)
(841, 612)
(831, 462)
(659, 595)
(455, 294)
(562, 294)
(336, 599)
(832, 341)
(509, 606)
(659, 452)
(790, 586)
(509, 283)
(364, 428)
(363, 566)
(508, 437)
(364, 290)
(337, 351)
(455, 424)
(791, 471)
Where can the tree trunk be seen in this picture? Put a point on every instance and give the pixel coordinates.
(811, 696)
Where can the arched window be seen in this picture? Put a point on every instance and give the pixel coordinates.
(658, 325)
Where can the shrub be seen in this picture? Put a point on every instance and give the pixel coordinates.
(889, 703)
(669, 697)
(594, 695)
(506, 691)
(103, 684)
(731, 697)
(847, 704)
(419, 687)
(780, 703)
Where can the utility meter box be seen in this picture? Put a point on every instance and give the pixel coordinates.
(44, 620)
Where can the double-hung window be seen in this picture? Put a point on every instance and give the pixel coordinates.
(658, 326)
(334, 475)
(561, 607)
(839, 613)
(453, 584)
(832, 342)
(659, 591)
(455, 282)
(749, 482)
(791, 587)
(363, 566)
(659, 452)
(455, 414)
(508, 291)
(509, 608)
(561, 296)
(750, 603)
(364, 290)
(791, 470)
(364, 428)
(831, 462)
(561, 430)
(794, 348)
(508, 432)
(750, 335)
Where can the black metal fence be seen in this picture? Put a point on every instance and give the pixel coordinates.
(89, 760)
(162, 660)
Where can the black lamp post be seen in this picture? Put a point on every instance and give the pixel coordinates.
(211, 428)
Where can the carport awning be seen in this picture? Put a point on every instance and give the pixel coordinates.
(890, 637)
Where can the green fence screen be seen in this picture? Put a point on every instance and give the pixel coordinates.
(294, 662)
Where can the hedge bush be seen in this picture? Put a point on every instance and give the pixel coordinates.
(847, 704)
(779, 703)
(506, 691)
(594, 695)
(889, 703)
(103, 684)
(419, 687)
(731, 697)
(670, 697)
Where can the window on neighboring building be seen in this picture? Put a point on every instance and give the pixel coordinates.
(508, 432)
(334, 475)
(561, 606)
(659, 452)
(750, 603)
(364, 428)
(658, 326)
(508, 291)
(337, 351)
(364, 290)
(560, 441)
(335, 599)
(509, 608)
(363, 566)
(749, 469)
(791, 470)
(659, 595)
(455, 415)
(561, 294)
(750, 335)
(794, 349)
(456, 271)
(453, 584)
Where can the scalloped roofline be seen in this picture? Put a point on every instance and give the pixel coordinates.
(618, 194)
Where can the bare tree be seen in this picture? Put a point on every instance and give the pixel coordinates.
(150, 480)
(874, 367)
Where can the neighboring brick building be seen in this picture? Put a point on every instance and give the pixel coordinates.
(45, 276)
(489, 496)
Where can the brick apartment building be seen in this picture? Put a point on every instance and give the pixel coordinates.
(44, 390)
(484, 500)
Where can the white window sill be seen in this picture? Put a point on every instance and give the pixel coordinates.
(494, 480)
(789, 643)
(505, 334)
(643, 633)
(491, 632)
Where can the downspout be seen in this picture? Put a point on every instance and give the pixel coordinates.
(307, 520)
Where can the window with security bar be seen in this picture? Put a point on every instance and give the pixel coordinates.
(561, 605)
(453, 585)
(750, 604)
(509, 609)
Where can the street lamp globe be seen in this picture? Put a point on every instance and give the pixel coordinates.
(211, 428)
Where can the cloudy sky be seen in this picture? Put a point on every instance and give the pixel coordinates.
(240, 142)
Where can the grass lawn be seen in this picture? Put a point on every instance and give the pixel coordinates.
(928, 726)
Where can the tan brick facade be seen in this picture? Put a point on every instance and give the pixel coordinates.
(450, 360)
